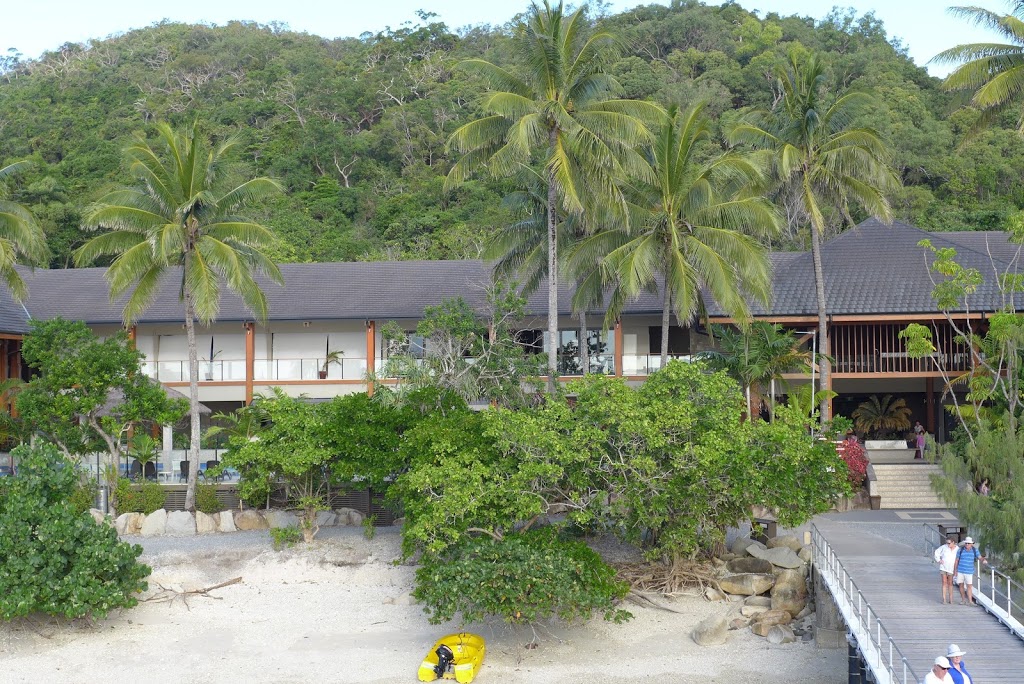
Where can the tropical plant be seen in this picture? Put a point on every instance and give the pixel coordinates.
(994, 71)
(823, 164)
(882, 416)
(552, 112)
(21, 237)
(143, 449)
(330, 358)
(182, 219)
(694, 226)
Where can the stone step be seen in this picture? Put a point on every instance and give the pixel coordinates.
(906, 467)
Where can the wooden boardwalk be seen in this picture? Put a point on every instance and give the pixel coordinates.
(902, 586)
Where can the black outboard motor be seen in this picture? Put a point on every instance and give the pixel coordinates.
(444, 660)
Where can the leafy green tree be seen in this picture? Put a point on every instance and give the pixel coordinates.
(21, 238)
(823, 162)
(696, 226)
(551, 111)
(55, 559)
(182, 221)
(87, 393)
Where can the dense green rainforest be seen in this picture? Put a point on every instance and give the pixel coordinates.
(355, 128)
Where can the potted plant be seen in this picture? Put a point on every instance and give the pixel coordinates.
(332, 357)
(209, 364)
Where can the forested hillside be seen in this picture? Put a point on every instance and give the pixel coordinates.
(356, 128)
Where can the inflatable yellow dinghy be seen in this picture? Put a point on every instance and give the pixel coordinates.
(456, 656)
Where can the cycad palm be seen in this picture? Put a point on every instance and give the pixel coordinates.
(21, 238)
(822, 161)
(551, 112)
(182, 218)
(693, 226)
(995, 71)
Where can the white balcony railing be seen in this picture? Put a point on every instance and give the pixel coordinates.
(263, 370)
(645, 364)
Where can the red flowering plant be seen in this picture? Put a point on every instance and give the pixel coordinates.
(852, 452)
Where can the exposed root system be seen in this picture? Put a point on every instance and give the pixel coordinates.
(667, 579)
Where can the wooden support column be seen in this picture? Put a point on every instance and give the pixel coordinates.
(133, 332)
(250, 359)
(618, 348)
(929, 399)
(371, 352)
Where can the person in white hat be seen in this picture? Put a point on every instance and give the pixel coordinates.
(939, 673)
(957, 667)
(963, 569)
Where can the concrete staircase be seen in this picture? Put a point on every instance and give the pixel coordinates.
(904, 485)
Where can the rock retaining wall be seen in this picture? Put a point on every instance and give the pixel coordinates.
(185, 524)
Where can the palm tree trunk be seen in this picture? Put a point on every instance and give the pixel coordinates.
(552, 285)
(193, 404)
(584, 344)
(819, 290)
(666, 310)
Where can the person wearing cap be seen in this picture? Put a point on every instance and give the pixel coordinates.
(957, 667)
(945, 556)
(966, 559)
(939, 673)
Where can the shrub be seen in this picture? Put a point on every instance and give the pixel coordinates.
(856, 462)
(83, 497)
(522, 578)
(54, 559)
(144, 498)
(285, 536)
(206, 499)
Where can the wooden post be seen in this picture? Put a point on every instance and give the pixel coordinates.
(929, 398)
(250, 359)
(371, 352)
(618, 348)
(133, 332)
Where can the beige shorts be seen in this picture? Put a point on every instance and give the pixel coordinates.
(946, 574)
(963, 579)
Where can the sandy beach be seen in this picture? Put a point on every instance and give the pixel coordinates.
(340, 612)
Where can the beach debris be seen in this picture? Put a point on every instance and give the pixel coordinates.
(170, 594)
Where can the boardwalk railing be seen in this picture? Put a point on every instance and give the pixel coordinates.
(880, 653)
(996, 592)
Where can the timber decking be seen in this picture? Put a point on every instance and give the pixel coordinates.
(902, 586)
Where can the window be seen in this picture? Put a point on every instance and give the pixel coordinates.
(678, 340)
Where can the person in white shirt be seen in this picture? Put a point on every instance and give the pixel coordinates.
(945, 556)
(939, 673)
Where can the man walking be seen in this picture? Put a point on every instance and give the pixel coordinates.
(945, 556)
(939, 673)
(966, 559)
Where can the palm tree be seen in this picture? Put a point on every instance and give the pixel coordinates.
(21, 238)
(994, 71)
(881, 416)
(822, 162)
(689, 218)
(552, 111)
(182, 218)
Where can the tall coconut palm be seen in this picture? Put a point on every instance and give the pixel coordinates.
(182, 219)
(994, 71)
(548, 110)
(21, 238)
(823, 163)
(694, 226)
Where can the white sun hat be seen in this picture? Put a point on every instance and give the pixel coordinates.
(953, 651)
(968, 540)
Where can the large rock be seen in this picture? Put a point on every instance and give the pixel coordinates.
(805, 554)
(154, 524)
(780, 556)
(226, 521)
(348, 516)
(281, 519)
(753, 611)
(180, 524)
(712, 594)
(749, 564)
(129, 523)
(326, 519)
(747, 584)
(780, 634)
(739, 623)
(711, 631)
(343, 556)
(739, 546)
(97, 515)
(205, 524)
(762, 601)
(789, 592)
(250, 520)
(788, 541)
(768, 619)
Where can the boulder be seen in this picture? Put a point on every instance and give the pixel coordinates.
(326, 519)
(348, 516)
(226, 521)
(250, 520)
(753, 611)
(355, 518)
(780, 634)
(277, 519)
(346, 555)
(747, 584)
(712, 594)
(155, 523)
(180, 524)
(780, 556)
(205, 524)
(805, 554)
(129, 523)
(739, 623)
(749, 564)
(768, 619)
(398, 522)
(763, 601)
(739, 547)
(790, 592)
(787, 541)
(711, 631)
(806, 612)
(97, 515)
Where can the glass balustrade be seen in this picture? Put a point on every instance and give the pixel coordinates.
(263, 369)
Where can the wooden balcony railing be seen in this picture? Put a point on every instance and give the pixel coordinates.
(877, 348)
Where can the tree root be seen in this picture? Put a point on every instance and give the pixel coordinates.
(169, 595)
(666, 579)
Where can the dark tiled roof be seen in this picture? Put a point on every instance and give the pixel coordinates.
(870, 269)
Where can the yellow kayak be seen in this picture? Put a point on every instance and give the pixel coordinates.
(456, 656)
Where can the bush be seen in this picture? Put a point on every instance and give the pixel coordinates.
(522, 578)
(206, 499)
(83, 497)
(856, 462)
(144, 498)
(285, 536)
(54, 559)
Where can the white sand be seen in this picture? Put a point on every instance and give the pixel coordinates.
(300, 616)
